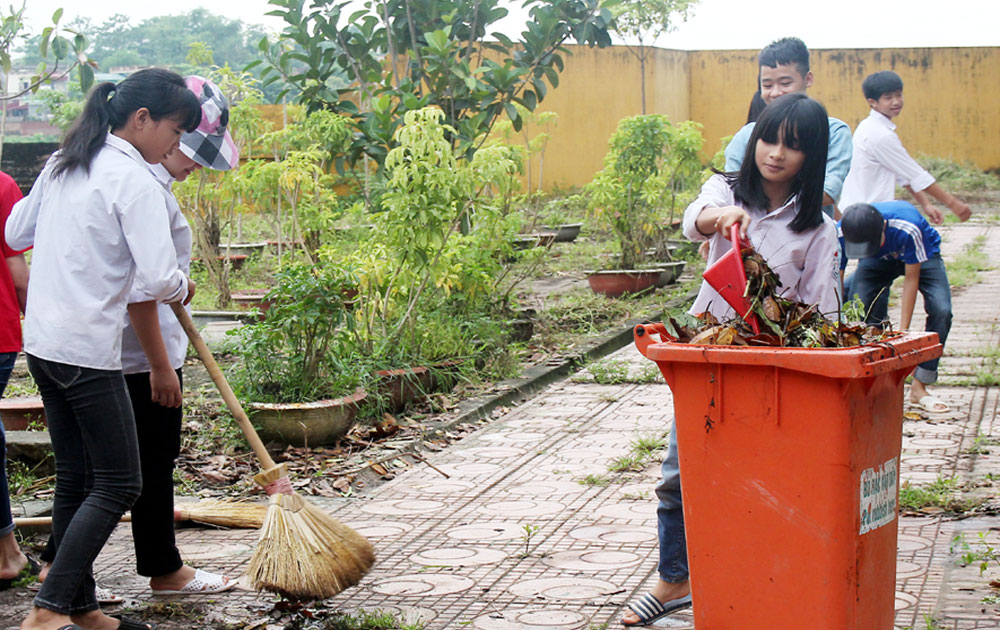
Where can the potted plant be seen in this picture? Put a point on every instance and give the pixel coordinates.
(301, 373)
(557, 217)
(641, 175)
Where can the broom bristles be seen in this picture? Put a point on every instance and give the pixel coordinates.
(303, 552)
(233, 514)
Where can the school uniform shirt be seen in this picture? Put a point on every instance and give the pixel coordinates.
(880, 163)
(909, 238)
(94, 236)
(10, 308)
(134, 360)
(838, 155)
(807, 263)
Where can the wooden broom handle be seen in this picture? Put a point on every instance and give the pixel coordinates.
(223, 385)
(44, 521)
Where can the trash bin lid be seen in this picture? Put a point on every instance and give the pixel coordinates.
(896, 353)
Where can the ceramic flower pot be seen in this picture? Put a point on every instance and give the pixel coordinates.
(18, 413)
(318, 423)
(567, 232)
(620, 282)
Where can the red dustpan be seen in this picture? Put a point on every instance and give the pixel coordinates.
(729, 278)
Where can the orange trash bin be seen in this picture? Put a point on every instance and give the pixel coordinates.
(789, 463)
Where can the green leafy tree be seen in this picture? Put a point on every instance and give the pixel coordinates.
(417, 252)
(401, 55)
(643, 21)
(165, 40)
(535, 136)
(64, 48)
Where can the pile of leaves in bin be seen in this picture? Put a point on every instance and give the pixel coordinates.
(783, 322)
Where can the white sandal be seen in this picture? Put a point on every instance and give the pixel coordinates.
(104, 595)
(203, 583)
(107, 596)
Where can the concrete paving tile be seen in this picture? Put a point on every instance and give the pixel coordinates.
(461, 552)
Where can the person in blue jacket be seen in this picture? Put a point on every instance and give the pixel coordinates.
(893, 239)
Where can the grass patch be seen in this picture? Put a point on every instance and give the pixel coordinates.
(609, 372)
(370, 620)
(648, 445)
(942, 494)
(988, 375)
(21, 388)
(24, 480)
(982, 555)
(616, 372)
(964, 270)
(958, 177)
(595, 480)
(626, 463)
(643, 449)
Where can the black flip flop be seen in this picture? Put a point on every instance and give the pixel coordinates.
(29, 570)
(131, 624)
(649, 609)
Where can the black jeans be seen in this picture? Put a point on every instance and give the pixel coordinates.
(159, 432)
(93, 435)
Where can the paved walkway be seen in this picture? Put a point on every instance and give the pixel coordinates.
(513, 540)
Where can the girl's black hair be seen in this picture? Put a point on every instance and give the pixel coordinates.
(757, 105)
(109, 106)
(802, 124)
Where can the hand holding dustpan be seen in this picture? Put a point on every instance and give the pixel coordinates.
(729, 278)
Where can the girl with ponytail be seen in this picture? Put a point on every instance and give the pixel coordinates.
(98, 222)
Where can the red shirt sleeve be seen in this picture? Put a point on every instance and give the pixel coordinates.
(10, 193)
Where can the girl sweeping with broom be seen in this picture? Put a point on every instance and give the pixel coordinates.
(153, 351)
(99, 224)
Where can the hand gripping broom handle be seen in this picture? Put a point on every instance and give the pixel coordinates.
(223, 385)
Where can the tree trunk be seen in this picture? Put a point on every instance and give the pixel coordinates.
(642, 75)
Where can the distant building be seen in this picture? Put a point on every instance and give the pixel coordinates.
(19, 80)
(109, 77)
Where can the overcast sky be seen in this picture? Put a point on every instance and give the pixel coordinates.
(715, 23)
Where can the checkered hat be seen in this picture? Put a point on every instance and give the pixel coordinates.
(210, 144)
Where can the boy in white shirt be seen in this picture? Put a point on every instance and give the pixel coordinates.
(880, 162)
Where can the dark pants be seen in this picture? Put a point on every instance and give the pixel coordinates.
(159, 430)
(93, 435)
(6, 520)
(159, 434)
(872, 281)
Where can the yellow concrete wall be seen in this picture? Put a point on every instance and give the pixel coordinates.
(951, 99)
(951, 95)
(597, 88)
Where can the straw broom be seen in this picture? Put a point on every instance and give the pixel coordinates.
(209, 512)
(233, 514)
(302, 552)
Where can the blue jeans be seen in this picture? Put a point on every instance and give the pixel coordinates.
(6, 520)
(872, 281)
(93, 434)
(673, 565)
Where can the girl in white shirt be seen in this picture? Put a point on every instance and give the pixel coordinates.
(777, 207)
(98, 222)
(777, 199)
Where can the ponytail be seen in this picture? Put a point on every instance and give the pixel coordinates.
(109, 107)
(86, 137)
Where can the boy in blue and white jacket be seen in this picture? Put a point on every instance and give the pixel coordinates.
(893, 239)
